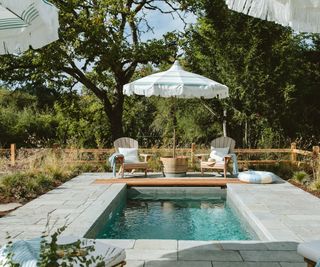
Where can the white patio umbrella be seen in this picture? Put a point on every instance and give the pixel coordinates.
(179, 83)
(300, 15)
(25, 23)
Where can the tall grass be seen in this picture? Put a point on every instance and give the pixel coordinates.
(40, 174)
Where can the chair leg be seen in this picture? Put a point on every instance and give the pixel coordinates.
(201, 171)
(225, 171)
(145, 172)
(309, 263)
(122, 171)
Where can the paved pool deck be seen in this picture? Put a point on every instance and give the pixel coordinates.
(283, 215)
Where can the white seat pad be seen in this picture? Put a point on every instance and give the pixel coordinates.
(27, 253)
(310, 250)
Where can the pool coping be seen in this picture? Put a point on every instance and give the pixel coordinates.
(252, 203)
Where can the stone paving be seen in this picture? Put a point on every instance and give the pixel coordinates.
(281, 211)
(64, 205)
(278, 212)
(173, 253)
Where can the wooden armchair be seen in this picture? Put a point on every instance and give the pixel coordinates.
(126, 142)
(221, 142)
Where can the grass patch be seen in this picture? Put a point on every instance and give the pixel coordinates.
(41, 176)
(301, 177)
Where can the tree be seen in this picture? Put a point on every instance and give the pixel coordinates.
(266, 68)
(100, 47)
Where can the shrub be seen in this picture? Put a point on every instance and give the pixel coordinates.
(315, 185)
(283, 170)
(301, 177)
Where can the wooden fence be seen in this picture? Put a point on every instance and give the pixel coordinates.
(245, 156)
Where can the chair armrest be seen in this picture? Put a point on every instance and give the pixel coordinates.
(227, 158)
(202, 156)
(119, 159)
(146, 156)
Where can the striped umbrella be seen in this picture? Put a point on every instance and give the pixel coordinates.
(178, 83)
(25, 23)
(300, 15)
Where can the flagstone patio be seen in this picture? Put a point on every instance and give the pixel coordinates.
(285, 216)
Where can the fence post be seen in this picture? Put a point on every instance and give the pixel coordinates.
(315, 156)
(193, 149)
(293, 153)
(13, 154)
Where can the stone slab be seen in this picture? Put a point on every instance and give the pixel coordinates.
(156, 244)
(209, 255)
(151, 254)
(280, 256)
(178, 264)
(9, 207)
(277, 212)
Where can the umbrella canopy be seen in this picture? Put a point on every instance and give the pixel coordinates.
(301, 15)
(25, 23)
(178, 83)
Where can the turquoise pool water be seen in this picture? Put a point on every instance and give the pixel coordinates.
(183, 219)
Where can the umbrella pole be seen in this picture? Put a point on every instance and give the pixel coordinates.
(174, 125)
(174, 142)
(224, 125)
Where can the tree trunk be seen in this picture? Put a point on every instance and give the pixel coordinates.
(115, 118)
(114, 114)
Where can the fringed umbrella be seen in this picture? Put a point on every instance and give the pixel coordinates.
(27, 23)
(176, 83)
(300, 15)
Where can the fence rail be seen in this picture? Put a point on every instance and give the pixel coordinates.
(245, 156)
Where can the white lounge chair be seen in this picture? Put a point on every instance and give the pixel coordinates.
(27, 252)
(129, 148)
(219, 160)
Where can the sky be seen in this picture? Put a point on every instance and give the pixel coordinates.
(163, 23)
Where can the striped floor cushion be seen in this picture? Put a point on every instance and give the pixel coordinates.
(257, 177)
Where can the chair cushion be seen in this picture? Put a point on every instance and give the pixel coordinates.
(310, 250)
(130, 154)
(27, 252)
(219, 153)
(111, 255)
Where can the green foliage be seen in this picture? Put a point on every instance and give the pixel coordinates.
(100, 47)
(54, 255)
(273, 76)
(28, 184)
(267, 69)
(283, 170)
(301, 177)
(315, 185)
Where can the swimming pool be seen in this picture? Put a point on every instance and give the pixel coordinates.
(180, 214)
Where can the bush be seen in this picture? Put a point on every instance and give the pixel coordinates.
(315, 185)
(42, 175)
(301, 177)
(283, 170)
